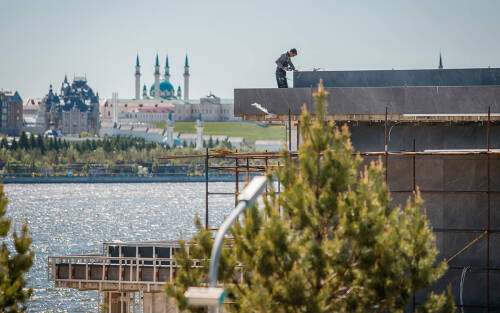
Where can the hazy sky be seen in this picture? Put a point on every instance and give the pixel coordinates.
(233, 44)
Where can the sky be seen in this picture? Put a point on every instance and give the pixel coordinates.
(233, 44)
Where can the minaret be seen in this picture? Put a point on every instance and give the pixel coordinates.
(144, 92)
(137, 79)
(440, 62)
(179, 92)
(157, 79)
(199, 133)
(186, 79)
(170, 130)
(167, 70)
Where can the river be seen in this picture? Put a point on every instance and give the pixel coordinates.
(76, 218)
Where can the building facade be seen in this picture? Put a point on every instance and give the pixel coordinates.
(11, 113)
(73, 111)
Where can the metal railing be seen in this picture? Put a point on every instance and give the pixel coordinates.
(90, 268)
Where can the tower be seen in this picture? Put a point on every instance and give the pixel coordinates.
(167, 70)
(199, 133)
(137, 79)
(186, 79)
(440, 62)
(179, 92)
(144, 92)
(170, 130)
(157, 79)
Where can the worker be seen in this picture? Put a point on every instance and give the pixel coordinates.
(284, 63)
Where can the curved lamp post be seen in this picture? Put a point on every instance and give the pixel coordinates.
(213, 296)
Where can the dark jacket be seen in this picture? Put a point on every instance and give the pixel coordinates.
(284, 61)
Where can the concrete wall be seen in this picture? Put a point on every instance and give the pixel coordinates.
(454, 189)
(369, 137)
(386, 78)
(373, 100)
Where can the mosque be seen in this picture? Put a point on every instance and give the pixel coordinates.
(155, 103)
(163, 89)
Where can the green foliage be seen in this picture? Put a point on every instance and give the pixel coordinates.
(23, 141)
(329, 242)
(13, 291)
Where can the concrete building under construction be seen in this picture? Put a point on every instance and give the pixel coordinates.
(436, 130)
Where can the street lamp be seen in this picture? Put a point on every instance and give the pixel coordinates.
(213, 296)
(200, 296)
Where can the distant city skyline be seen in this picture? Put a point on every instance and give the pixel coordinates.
(233, 44)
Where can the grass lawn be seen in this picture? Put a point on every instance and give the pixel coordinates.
(250, 131)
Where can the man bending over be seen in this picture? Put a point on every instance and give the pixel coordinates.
(284, 63)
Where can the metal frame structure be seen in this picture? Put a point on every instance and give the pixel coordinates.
(244, 165)
(249, 163)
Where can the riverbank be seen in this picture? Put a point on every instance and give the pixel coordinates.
(115, 179)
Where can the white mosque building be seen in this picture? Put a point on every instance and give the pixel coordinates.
(155, 104)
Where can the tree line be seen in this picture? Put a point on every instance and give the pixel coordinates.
(33, 153)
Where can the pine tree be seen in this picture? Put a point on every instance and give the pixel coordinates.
(40, 144)
(329, 242)
(4, 144)
(13, 291)
(23, 141)
(14, 145)
(32, 141)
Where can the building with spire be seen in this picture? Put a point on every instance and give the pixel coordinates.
(73, 111)
(186, 79)
(167, 70)
(156, 86)
(440, 61)
(137, 79)
(162, 97)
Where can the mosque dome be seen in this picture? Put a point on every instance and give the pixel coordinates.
(164, 86)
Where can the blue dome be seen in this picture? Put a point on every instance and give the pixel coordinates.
(164, 86)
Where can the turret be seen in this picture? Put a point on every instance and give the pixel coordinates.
(440, 61)
(167, 70)
(186, 79)
(137, 79)
(157, 79)
(170, 130)
(144, 92)
(199, 133)
(179, 93)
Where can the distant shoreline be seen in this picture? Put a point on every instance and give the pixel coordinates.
(116, 179)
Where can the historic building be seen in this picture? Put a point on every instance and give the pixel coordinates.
(154, 104)
(74, 110)
(161, 89)
(11, 113)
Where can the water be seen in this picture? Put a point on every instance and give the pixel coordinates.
(76, 218)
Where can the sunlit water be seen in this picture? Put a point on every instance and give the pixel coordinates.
(77, 218)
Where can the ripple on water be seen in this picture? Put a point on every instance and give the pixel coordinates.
(77, 218)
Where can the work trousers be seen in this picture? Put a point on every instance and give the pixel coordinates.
(281, 79)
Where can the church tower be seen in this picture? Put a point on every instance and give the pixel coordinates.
(167, 70)
(137, 79)
(157, 79)
(186, 79)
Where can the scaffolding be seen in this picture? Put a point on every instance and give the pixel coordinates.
(471, 176)
(246, 164)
